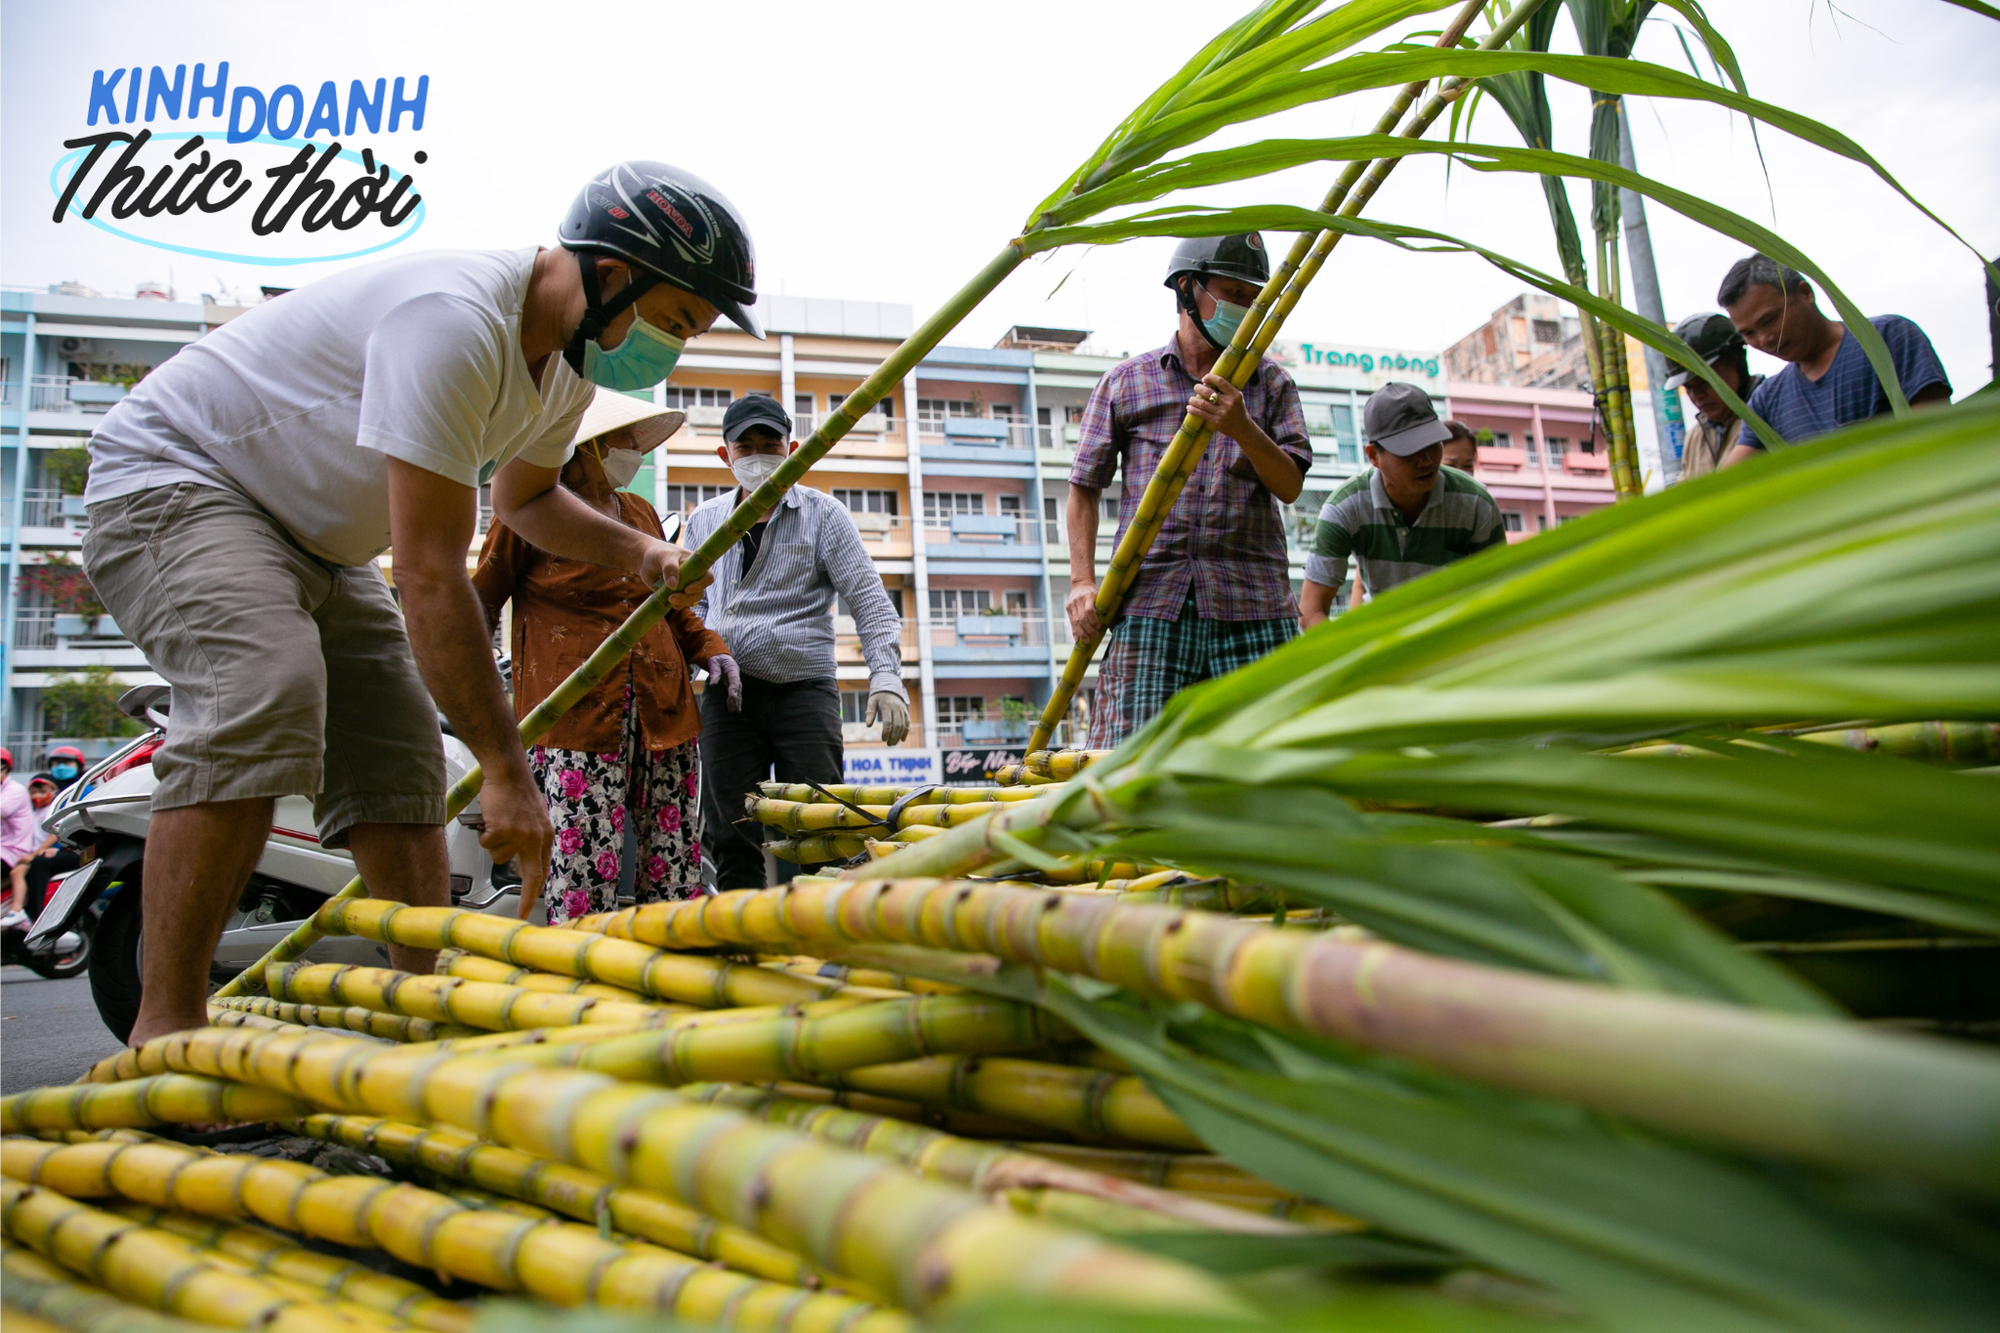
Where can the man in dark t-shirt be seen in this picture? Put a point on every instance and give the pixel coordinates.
(1829, 382)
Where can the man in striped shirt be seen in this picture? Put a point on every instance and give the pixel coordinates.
(1406, 515)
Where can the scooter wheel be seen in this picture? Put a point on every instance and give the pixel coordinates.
(61, 965)
(114, 959)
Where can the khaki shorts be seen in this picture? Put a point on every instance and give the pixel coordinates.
(291, 676)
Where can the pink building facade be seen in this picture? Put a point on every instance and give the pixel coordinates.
(1538, 454)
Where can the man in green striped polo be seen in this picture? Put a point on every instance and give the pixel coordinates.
(1405, 516)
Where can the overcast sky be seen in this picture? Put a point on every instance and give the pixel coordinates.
(884, 151)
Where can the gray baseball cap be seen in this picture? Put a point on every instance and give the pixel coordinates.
(1400, 418)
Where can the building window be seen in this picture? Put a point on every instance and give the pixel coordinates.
(1510, 519)
(687, 398)
(867, 502)
(1547, 331)
(1017, 601)
(949, 602)
(683, 499)
(1073, 414)
(802, 404)
(1002, 411)
(1010, 505)
(1541, 523)
(853, 706)
(1557, 448)
(1503, 440)
(1528, 444)
(955, 710)
(933, 412)
(939, 506)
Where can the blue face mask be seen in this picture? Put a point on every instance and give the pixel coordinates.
(63, 771)
(1221, 326)
(642, 359)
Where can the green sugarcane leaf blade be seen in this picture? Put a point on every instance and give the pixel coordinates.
(1645, 1234)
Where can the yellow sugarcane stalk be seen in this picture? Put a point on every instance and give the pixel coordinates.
(471, 966)
(985, 1167)
(1214, 1179)
(152, 1268)
(252, 1010)
(319, 1274)
(40, 1296)
(560, 1262)
(571, 1191)
(162, 1099)
(1089, 1102)
(1240, 360)
(1807, 1088)
(862, 1217)
(808, 792)
(481, 1006)
(704, 982)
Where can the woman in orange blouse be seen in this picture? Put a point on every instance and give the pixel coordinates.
(626, 752)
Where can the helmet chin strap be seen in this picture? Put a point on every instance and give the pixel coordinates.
(1184, 297)
(598, 313)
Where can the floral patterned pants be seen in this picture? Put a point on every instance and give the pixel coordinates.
(591, 796)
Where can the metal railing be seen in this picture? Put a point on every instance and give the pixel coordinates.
(981, 432)
(46, 627)
(45, 508)
(35, 627)
(1023, 531)
(1012, 629)
(882, 527)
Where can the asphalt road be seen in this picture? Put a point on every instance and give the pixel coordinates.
(49, 1030)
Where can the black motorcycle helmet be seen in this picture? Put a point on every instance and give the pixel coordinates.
(671, 226)
(1712, 336)
(1242, 256)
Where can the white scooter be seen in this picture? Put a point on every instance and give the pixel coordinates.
(105, 814)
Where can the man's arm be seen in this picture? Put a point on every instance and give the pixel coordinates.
(1226, 415)
(1080, 516)
(527, 499)
(1316, 603)
(1937, 391)
(431, 520)
(853, 576)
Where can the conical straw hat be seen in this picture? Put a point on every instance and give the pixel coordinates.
(611, 409)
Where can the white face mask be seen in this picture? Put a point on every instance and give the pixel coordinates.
(621, 465)
(753, 470)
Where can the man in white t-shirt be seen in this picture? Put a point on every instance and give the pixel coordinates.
(240, 494)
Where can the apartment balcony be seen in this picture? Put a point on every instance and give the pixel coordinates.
(64, 394)
(48, 518)
(984, 543)
(847, 642)
(994, 640)
(883, 534)
(805, 423)
(980, 440)
(49, 640)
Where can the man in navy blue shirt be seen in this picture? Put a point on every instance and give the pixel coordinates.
(1829, 383)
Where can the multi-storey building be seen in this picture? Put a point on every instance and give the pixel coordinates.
(1530, 341)
(957, 482)
(66, 355)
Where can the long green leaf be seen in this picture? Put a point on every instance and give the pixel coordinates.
(1645, 1234)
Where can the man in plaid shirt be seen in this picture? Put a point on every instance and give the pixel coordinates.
(1215, 591)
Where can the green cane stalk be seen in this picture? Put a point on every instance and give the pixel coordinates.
(1253, 337)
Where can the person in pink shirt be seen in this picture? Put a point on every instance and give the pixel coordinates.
(17, 838)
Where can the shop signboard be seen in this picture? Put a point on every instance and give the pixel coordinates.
(886, 766)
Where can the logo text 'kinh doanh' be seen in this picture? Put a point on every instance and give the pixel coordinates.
(244, 173)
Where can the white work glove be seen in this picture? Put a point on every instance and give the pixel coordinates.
(722, 671)
(893, 712)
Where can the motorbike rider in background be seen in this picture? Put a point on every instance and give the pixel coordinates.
(17, 840)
